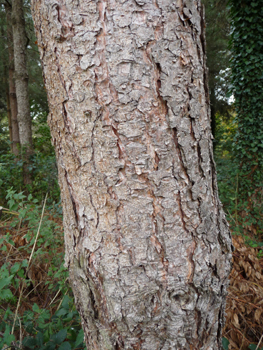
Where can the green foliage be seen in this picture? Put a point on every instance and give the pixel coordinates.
(254, 347)
(28, 212)
(61, 331)
(42, 328)
(42, 167)
(42, 163)
(217, 38)
(225, 343)
(10, 275)
(44, 174)
(37, 93)
(247, 81)
(244, 216)
(228, 178)
(227, 169)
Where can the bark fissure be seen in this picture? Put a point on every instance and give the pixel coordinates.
(200, 160)
(98, 216)
(177, 147)
(59, 71)
(92, 143)
(71, 197)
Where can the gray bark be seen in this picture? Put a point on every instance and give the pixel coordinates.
(14, 136)
(9, 116)
(21, 83)
(147, 244)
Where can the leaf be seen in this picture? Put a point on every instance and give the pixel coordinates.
(46, 336)
(6, 294)
(50, 346)
(15, 267)
(9, 339)
(59, 337)
(72, 334)
(5, 281)
(258, 275)
(36, 308)
(80, 338)
(40, 339)
(45, 315)
(252, 346)
(225, 343)
(61, 312)
(11, 203)
(236, 320)
(65, 302)
(29, 342)
(24, 263)
(69, 317)
(257, 315)
(65, 346)
(22, 213)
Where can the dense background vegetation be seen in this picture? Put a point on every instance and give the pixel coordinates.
(37, 309)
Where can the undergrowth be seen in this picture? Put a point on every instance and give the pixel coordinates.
(43, 171)
(243, 209)
(244, 214)
(37, 306)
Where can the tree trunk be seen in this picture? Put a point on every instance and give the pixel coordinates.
(213, 115)
(147, 243)
(9, 116)
(21, 84)
(12, 89)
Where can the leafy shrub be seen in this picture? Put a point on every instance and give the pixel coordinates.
(44, 176)
(61, 331)
(247, 87)
(243, 208)
(26, 325)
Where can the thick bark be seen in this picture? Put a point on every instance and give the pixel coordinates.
(21, 83)
(147, 243)
(14, 136)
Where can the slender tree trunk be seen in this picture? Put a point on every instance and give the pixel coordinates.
(147, 243)
(12, 89)
(9, 116)
(21, 84)
(4, 83)
(213, 115)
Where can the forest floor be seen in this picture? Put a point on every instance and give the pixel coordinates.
(244, 308)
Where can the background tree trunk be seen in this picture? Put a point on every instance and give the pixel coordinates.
(12, 89)
(9, 116)
(21, 83)
(147, 243)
